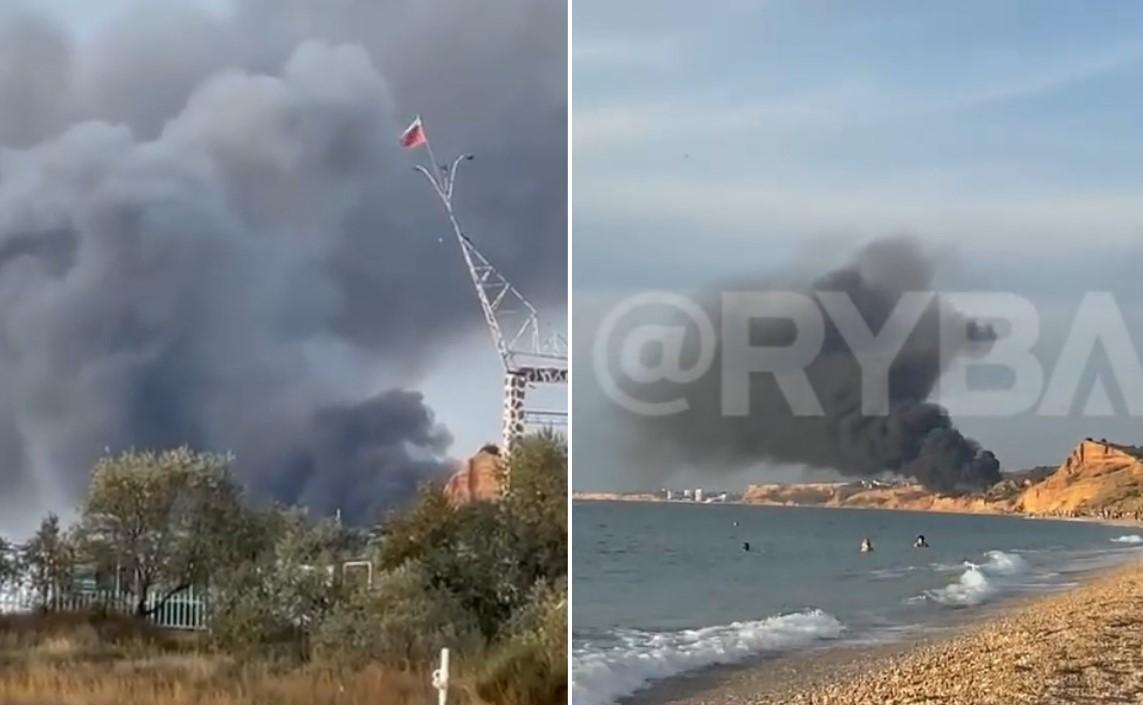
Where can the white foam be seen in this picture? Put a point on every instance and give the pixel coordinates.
(971, 589)
(978, 583)
(1001, 563)
(1129, 538)
(600, 676)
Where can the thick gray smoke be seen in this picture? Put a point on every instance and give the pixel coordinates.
(915, 438)
(208, 234)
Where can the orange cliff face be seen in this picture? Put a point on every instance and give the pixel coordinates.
(479, 479)
(1098, 477)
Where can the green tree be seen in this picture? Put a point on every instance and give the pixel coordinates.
(9, 563)
(464, 550)
(307, 567)
(530, 664)
(170, 520)
(404, 620)
(49, 559)
(281, 594)
(489, 555)
(537, 506)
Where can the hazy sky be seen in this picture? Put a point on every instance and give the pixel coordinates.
(87, 18)
(724, 138)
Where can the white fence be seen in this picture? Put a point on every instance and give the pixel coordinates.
(186, 610)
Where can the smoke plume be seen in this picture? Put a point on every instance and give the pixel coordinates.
(208, 234)
(916, 438)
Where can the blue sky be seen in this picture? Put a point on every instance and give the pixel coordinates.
(721, 138)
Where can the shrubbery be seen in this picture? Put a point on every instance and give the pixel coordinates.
(277, 598)
(530, 665)
(491, 555)
(486, 579)
(404, 620)
(489, 580)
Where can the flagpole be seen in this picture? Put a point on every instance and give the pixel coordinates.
(434, 167)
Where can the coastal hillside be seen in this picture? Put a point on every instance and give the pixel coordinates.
(1098, 477)
(870, 495)
(616, 497)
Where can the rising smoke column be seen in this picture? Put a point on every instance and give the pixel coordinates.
(915, 439)
(208, 235)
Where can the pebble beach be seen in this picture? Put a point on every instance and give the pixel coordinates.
(1080, 646)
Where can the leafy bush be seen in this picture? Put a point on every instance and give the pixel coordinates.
(536, 507)
(245, 618)
(530, 665)
(403, 620)
(490, 555)
(288, 587)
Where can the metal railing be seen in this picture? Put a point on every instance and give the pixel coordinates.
(185, 611)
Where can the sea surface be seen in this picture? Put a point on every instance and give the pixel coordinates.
(661, 589)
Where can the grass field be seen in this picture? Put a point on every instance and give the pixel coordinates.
(91, 659)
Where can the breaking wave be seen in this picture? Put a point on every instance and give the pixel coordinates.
(1129, 538)
(979, 581)
(601, 675)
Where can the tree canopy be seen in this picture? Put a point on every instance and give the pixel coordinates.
(168, 520)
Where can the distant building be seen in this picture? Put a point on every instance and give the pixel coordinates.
(686, 494)
(670, 494)
(698, 494)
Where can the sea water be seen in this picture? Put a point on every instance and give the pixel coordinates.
(661, 589)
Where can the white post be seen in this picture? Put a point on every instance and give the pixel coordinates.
(440, 679)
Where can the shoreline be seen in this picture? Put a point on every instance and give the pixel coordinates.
(1081, 645)
(739, 503)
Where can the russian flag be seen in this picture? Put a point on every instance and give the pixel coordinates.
(414, 135)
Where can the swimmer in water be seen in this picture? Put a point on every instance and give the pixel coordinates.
(746, 546)
(920, 542)
(866, 545)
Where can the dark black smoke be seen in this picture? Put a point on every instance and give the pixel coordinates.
(335, 464)
(208, 234)
(915, 439)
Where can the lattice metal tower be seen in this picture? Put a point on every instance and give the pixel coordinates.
(530, 355)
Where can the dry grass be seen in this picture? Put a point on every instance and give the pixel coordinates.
(90, 659)
(205, 680)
